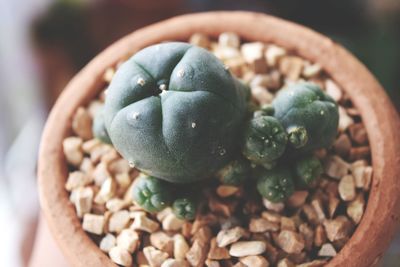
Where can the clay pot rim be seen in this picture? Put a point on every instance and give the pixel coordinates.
(378, 224)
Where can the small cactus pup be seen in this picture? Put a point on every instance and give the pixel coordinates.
(185, 208)
(99, 129)
(307, 169)
(235, 172)
(276, 185)
(309, 116)
(151, 193)
(264, 141)
(175, 112)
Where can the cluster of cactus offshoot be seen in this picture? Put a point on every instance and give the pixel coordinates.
(279, 141)
(177, 132)
(154, 194)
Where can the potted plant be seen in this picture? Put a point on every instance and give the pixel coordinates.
(374, 232)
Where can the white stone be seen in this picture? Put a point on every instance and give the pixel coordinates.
(120, 256)
(247, 248)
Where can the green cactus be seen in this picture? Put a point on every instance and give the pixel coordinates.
(175, 112)
(185, 208)
(309, 116)
(99, 129)
(235, 172)
(276, 185)
(151, 193)
(307, 169)
(264, 141)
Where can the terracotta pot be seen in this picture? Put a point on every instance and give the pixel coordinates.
(376, 229)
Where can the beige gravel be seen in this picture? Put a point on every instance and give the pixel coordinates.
(236, 228)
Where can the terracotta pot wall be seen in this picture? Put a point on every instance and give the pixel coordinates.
(376, 229)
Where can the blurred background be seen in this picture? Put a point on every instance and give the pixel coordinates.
(43, 43)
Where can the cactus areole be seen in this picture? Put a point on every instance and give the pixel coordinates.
(174, 112)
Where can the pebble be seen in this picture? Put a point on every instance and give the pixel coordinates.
(344, 120)
(297, 199)
(314, 263)
(362, 174)
(358, 133)
(337, 228)
(261, 95)
(255, 261)
(107, 242)
(230, 39)
(162, 241)
(347, 188)
(175, 263)
(181, 247)
(118, 221)
(273, 54)
(120, 256)
(327, 250)
(291, 242)
(155, 257)
(197, 254)
(247, 248)
(320, 236)
(342, 145)
(108, 74)
(107, 191)
(217, 253)
(128, 239)
(260, 225)
(336, 167)
(355, 209)
(93, 223)
(333, 203)
(77, 179)
(116, 204)
(291, 67)
(285, 263)
(82, 124)
(200, 39)
(100, 174)
(277, 207)
(271, 216)
(83, 200)
(311, 70)
(333, 90)
(227, 237)
(142, 223)
(72, 150)
(172, 223)
(226, 190)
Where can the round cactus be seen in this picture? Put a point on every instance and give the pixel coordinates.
(151, 193)
(264, 141)
(309, 116)
(99, 129)
(307, 169)
(276, 185)
(235, 172)
(174, 111)
(184, 208)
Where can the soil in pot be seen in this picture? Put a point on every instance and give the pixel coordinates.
(234, 226)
